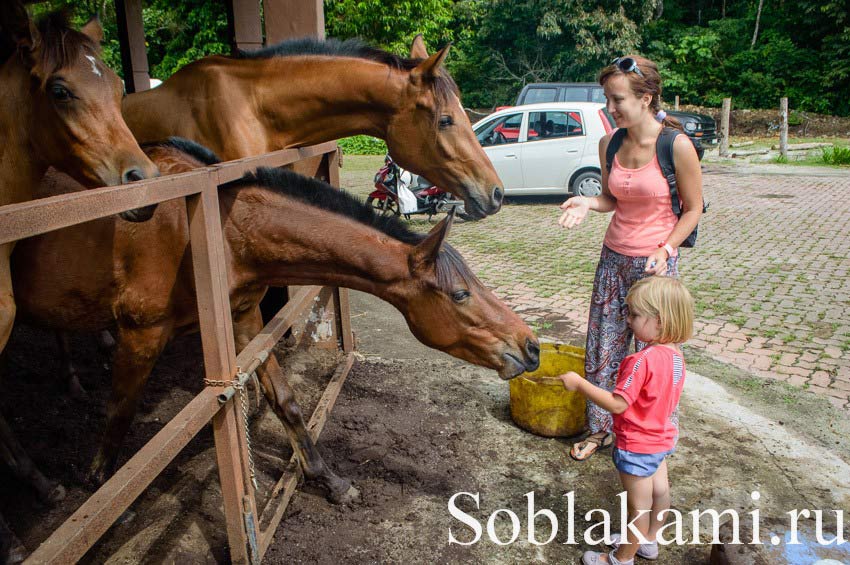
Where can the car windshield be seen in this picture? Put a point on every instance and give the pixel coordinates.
(504, 129)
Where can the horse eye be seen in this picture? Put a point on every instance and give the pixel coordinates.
(460, 295)
(60, 93)
(446, 121)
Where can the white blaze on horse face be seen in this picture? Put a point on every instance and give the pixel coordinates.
(94, 68)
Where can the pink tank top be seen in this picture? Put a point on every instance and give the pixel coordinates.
(642, 213)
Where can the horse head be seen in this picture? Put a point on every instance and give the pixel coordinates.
(431, 135)
(74, 103)
(453, 312)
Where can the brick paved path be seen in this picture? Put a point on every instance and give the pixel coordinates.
(770, 274)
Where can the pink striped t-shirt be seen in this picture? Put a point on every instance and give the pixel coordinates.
(642, 214)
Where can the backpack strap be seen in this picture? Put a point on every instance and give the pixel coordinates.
(614, 145)
(664, 151)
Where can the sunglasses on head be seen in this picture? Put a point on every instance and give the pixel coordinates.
(627, 65)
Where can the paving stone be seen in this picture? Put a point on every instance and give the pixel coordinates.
(754, 301)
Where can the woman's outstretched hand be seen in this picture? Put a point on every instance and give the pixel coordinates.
(575, 209)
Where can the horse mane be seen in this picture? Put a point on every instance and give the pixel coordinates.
(187, 146)
(444, 86)
(61, 44)
(322, 195)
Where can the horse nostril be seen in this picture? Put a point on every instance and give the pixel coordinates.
(132, 175)
(532, 351)
(497, 196)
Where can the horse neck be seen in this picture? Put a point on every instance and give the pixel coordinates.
(20, 170)
(308, 100)
(278, 241)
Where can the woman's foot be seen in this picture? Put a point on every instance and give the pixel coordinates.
(647, 550)
(597, 558)
(591, 444)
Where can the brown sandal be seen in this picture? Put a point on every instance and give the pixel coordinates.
(590, 445)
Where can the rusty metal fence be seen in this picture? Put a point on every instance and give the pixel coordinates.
(249, 533)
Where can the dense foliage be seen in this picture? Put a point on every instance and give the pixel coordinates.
(752, 50)
(363, 145)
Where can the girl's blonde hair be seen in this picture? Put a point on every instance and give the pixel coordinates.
(668, 300)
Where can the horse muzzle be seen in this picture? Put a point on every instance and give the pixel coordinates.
(514, 366)
(137, 215)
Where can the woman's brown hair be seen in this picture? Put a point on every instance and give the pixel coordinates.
(648, 82)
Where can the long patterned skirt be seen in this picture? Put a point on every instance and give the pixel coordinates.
(608, 333)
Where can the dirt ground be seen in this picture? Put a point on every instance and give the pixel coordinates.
(412, 427)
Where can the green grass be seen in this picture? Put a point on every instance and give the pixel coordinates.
(836, 155)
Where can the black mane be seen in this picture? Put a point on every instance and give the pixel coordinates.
(191, 148)
(332, 48)
(322, 195)
(443, 84)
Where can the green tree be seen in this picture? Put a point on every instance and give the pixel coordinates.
(391, 26)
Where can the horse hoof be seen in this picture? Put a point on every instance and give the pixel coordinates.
(17, 554)
(96, 477)
(346, 495)
(105, 341)
(57, 494)
(78, 393)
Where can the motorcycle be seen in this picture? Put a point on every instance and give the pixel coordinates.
(399, 192)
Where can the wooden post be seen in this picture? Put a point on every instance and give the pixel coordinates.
(131, 36)
(243, 22)
(783, 127)
(676, 104)
(724, 127)
(287, 19)
(220, 365)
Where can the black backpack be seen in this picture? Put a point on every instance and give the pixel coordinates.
(664, 150)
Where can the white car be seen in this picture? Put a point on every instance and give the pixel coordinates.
(550, 148)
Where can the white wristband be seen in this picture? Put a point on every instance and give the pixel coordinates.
(669, 249)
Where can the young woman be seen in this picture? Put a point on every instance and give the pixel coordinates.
(644, 233)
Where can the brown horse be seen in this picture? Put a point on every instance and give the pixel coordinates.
(307, 91)
(280, 228)
(60, 106)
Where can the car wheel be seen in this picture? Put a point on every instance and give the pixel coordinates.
(383, 207)
(700, 153)
(587, 184)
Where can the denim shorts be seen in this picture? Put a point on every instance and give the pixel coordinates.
(638, 464)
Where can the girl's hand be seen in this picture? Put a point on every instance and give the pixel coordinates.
(656, 264)
(571, 380)
(575, 209)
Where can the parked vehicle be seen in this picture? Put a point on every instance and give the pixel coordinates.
(701, 129)
(546, 148)
(398, 191)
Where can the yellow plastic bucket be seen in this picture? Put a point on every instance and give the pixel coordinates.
(539, 401)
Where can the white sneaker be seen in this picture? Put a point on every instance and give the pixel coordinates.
(648, 551)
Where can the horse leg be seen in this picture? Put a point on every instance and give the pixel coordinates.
(135, 355)
(23, 468)
(281, 397)
(11, 548)
(75, 389)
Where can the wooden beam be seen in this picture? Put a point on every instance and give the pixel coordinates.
(131, 36)
(287, 19)
(243, 19)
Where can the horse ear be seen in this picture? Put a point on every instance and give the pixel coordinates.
(425, 253)
(418, 50)
(93, 29)
(432, 66)
(16, 25)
